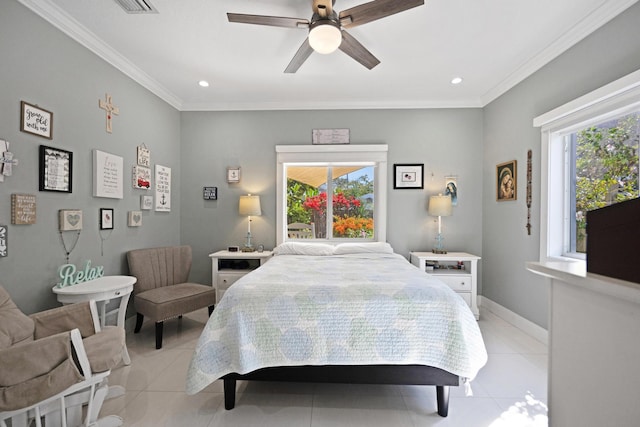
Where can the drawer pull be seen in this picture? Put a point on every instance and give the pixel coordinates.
(117, 293)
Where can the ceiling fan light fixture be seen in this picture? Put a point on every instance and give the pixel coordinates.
(325, 38)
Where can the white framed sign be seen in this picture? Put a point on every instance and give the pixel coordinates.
(141, 177)
(107, 175)
(144, 156)
(163, 188)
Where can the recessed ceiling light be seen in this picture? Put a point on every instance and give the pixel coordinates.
(203, 83)
(456, 80)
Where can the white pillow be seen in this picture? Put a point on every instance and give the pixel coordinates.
(364, 247)
(303, 248)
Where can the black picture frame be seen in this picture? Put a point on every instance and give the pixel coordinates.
(106, 219)
(408, 176)
(210, 193)
(56, 170)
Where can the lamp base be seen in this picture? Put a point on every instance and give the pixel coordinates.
(439, 249)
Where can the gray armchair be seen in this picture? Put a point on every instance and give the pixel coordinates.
(162, 290)
(55, 362)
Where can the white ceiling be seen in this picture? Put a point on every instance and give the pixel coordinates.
(492, 44)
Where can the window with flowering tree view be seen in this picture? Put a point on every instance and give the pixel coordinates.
(337, 199)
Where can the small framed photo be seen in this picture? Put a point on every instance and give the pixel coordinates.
(146, 203)
(451, 189)
(36, 120)
(56, 169)
(134, 219)
(233, 174)
(70, 219)
(506, 181)
(408, 176)
(106, 219)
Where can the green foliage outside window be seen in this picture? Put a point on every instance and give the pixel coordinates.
(606, 168)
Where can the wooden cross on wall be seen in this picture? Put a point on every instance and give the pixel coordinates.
(109, 108)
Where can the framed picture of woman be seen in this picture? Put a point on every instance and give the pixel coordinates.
(506, 181)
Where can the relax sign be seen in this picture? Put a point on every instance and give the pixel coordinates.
(70, 275)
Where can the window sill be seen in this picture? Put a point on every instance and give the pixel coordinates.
(575, 273)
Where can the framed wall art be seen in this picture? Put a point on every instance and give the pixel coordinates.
(3, 240)
(210, 193)
(408, 176)
(134, 219)
(506, 181)
(233, 174)
(451, 189)
(36, 120)
(141, 177)
(70, 219)
(56, 169)
(106, 219)
(144, 156)
(146, 203)
(107, 175)
(23, 209)
(163, 188)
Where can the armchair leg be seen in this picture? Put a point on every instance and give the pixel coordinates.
(139, 319)
(159, 326)
(210, 310)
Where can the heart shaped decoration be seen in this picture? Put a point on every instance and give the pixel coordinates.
(137, 218)
(73, 219)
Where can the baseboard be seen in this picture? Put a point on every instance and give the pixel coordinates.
(516, 320)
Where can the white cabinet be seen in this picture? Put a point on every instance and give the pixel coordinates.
(459, 270)
(227, 267)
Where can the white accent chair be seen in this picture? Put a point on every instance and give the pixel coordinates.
(298, 230)
(54, 364)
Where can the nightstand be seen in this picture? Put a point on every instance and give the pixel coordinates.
(445, 267)
(227, 267)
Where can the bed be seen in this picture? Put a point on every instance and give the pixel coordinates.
(352, 313)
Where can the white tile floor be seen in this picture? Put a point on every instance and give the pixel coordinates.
(509, 391)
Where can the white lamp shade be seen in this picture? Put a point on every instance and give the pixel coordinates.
(249, 205)
(325, 38)
(440, 205)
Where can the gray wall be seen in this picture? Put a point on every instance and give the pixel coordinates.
(608, 54)
(53, 71)
(447, 141)
(43, 66)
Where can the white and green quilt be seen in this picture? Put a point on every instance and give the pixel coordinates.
(352, 309)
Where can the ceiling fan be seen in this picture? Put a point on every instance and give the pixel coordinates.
(326, 28)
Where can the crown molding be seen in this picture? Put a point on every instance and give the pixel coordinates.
(65, 23)
(596, 19)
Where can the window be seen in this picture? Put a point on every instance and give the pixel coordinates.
(332, 192)
(603, 170)
(589, 160)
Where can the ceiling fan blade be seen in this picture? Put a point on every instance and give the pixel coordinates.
(301, 55)
(357, 51)
(373, 10)
(274, 21)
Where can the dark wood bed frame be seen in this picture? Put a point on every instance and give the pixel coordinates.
(369, 374)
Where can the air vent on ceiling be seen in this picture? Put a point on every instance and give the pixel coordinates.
(137, 6)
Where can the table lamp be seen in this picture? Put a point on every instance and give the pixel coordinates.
(249, 206)
(440, 206)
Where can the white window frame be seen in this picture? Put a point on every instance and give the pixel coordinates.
(355, 154)
(615, 99)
